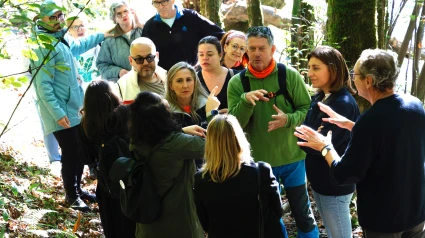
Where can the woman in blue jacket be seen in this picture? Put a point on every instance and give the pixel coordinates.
(328, 73)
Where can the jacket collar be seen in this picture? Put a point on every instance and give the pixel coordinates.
(202, 101)
(118, 31)
(179, 13)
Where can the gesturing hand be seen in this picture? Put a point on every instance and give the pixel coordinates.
(313, 139)
(335, 118)
(123, 72)
(64, 122)
(279, 119)
(256, 96)
(194, 130)
(212, 102)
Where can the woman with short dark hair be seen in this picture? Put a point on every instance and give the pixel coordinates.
(170, 154)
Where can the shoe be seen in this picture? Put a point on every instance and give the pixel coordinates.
(76, 204)
(86, 196)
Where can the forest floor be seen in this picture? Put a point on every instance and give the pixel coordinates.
(31, 191)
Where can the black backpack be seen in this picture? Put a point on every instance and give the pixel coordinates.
(139, 197)
(110, 149)
(281, 75)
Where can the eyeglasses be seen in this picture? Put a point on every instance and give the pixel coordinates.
(353, 75)
(58, 17)
(76, 27)
(123, 14)
(141, 60)
(235, 47)
(163, 3)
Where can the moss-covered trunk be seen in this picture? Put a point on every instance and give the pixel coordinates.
(212, 10)
(255, 15)
(382, 13)
(351, 27)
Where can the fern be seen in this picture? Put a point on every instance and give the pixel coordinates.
(33, 216)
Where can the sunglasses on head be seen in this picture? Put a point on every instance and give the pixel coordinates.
(141, 60)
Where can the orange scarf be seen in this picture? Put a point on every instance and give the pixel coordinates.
(263, 74)
(186, 109)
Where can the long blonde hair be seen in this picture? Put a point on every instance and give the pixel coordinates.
(198, 90)
(226, 148)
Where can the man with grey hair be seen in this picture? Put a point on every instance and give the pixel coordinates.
(112, 60)
(386, 154)
(270, 100)
(146, 74)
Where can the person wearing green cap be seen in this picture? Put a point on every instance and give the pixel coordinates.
(59, 95)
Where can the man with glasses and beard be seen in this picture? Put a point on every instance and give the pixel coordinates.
(146, 74)
(59, 95)
(176, 32)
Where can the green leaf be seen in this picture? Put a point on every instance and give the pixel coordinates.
(5, 216)
(62, 68)
(89, 12)
(23, 79)
(30, 54)
(48, 46)
(15, 189)
(47, 72)
(34, 185)
(34, 5)
(2, 202)
(17, 84)
(79, 5)
(45, 38)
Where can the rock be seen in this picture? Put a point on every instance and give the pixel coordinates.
(236, 16)
(279, 4)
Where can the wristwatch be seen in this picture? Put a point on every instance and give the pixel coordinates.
(212, 113)
(326, 149)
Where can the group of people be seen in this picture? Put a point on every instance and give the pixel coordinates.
(204, 105)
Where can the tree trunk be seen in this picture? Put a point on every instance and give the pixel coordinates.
(254, 12)
(421, 85)
(409, 34)
(381, 8)
(202, 7)
(302, 37)
(213, 11)
(417, 51)
(351, 27)
(295, 28)
(192, 4)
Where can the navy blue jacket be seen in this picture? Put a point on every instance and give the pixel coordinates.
(386, 158)
(179, 42)
(317, 168)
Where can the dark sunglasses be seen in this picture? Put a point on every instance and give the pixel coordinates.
(141, 60)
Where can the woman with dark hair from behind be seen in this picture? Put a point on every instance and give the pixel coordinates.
(103, 117)
(226, 188)
(170, 154)
(329, 74)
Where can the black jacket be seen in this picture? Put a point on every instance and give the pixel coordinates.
(317, 168)
(230, 209)
(179, 42)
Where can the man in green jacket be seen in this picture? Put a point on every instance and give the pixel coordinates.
(270, 121)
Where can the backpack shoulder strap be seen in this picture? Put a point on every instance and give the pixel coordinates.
(281, 74)
(232, 73)
(245, 81)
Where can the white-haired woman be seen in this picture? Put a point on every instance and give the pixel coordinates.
(112, 61)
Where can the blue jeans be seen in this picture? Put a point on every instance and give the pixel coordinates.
(52, 147)
(335, 213)
(292, 176)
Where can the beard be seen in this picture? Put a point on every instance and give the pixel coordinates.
(146, 72)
